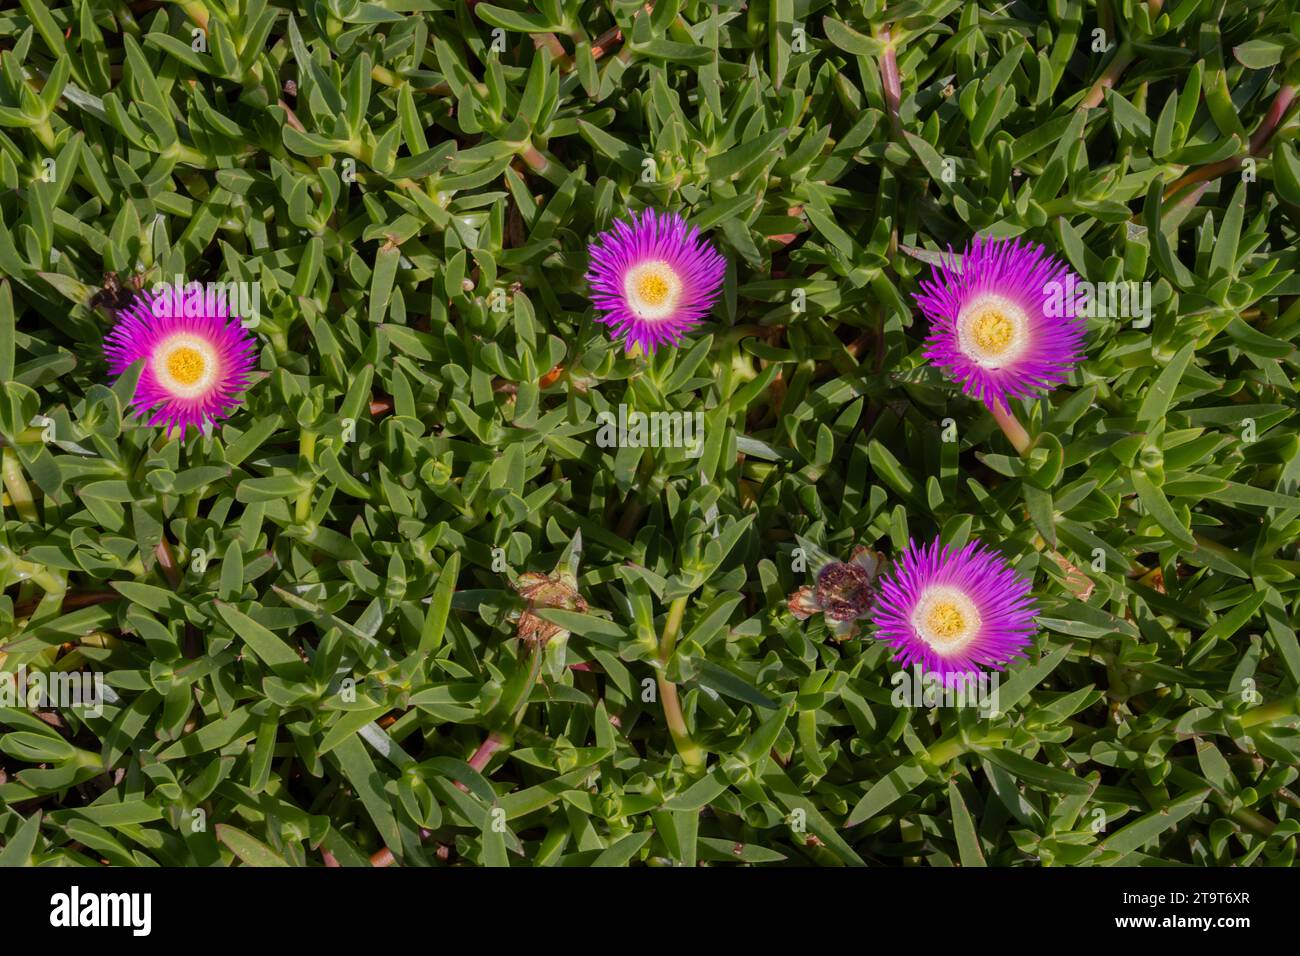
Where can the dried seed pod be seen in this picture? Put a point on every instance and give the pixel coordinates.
(844, 593)
(543, 591)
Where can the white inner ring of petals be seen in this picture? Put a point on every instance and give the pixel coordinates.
(992, 331)
(185, 365)
(652, 290)
(946, 619)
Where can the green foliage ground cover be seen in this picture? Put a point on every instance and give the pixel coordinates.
(307, 619)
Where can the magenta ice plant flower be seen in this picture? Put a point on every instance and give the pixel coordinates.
(653, 279)
(198, 359)
(995, 327)
(954, 610)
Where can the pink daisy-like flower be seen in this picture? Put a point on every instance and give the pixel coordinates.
(653, 279)
(954, 611)
(198, 358)
(1000, 323)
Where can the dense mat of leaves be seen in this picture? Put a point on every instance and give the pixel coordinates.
(307, 619)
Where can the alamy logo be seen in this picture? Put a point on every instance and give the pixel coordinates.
(1105, 300)
(917, 689)
(633, 429)
(80, 690)
(74, 908)
(196, 299)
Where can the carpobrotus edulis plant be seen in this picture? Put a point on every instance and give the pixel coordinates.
(991, 330)
(198, 359)
(653, 279)
(954, 610)
(843, 594)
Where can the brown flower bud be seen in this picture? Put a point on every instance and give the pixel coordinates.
(803, 603)
(844, 591)
(543, 591)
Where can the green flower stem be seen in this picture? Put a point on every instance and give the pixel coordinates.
(1251, 820)
(381, 74)
(55, 586)
(1268, 713)
(188, 155)
(672, 626)
(20, 495)
(1011, 427)
(692, 754)
(518, 690)
(943, 751)
(307, 454)
(950, 748)
(45, 133)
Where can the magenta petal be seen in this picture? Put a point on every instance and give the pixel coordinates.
(653, 236)
(1001, 596)
(139, 332)
(1022, 273)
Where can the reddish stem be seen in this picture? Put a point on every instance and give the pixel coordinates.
(610, 38)
(71, 602)
(1188, 199)
(1109, 78)
(1259, 143)
(167, 561)
(893, 86)
(1011, 427)
(491, 744)
(1272, 119)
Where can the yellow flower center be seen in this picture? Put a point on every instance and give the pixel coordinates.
(186, 365)
(946, 619)
(652, 290)
(993, 331)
